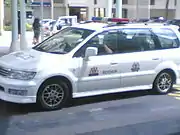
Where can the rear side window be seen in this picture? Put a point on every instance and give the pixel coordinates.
(166, 37)
(136, 40)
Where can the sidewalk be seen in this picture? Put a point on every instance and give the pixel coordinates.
(5, 41)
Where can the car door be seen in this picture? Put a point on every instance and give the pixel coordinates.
(137, 57)
(169, 44)
(99, 72)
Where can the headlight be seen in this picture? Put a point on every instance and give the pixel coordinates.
(21, 75)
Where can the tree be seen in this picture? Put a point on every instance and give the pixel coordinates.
(167, 9)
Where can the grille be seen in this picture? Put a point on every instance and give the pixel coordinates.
(4, 71)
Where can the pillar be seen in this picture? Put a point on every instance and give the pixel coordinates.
(90, 12)
(52, 9)
(14, 14)
(109, 8)
(1, 16)
(177, 12)
(119, 8)
(42, 17)
(23, 42)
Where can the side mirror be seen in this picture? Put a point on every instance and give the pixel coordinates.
(91, 51)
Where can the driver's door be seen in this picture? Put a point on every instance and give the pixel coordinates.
(99, 72)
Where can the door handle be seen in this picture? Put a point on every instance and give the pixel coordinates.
(155, 59)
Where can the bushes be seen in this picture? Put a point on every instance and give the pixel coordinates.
(9, 27)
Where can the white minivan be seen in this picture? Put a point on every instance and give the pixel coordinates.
(92, 59)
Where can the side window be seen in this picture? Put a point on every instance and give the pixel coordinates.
(166, 37)
(106, 43)
(136, 40)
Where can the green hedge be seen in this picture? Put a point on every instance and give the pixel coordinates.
(9, 28)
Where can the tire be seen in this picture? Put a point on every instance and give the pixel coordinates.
(58, 92)
(163, 83)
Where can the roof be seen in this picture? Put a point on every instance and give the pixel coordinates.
(105, 26)
(91, 26)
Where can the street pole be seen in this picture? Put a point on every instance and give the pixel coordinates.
(1, 16)
(119, 8)
(42, 16)
(109, 8)
(23, 42)
(52, 9)
(149, 9)
(177, 15)
(14, 13)
(137, 9)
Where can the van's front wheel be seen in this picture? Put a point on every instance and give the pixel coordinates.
(53, 94)
(163, 83)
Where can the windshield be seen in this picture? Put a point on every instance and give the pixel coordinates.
(64, 41)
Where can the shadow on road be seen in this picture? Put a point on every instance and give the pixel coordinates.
(10, 109)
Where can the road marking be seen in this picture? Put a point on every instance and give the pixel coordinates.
(174, 94)
(176, 87)
(70, 113)
(178, 98)
(96, 109)
(163, 108)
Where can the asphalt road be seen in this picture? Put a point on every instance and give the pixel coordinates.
(132, 113)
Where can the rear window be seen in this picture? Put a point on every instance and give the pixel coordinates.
(167, 38)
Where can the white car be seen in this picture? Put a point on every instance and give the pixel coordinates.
(92, 59)
(62, 22)
(47, 28)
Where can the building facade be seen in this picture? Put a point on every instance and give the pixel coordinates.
(85, 9)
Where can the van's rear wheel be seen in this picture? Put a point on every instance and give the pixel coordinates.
(163, 83)
(53, 94)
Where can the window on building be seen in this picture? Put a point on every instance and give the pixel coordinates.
(58, 1)
(95, 2)
(152, 2)
(124, 1)
(124, 13)
(99, 12)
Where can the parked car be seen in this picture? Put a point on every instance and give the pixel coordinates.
(91, 59)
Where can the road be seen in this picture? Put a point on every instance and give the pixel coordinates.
(132, 113)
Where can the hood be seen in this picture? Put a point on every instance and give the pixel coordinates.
(31, 60)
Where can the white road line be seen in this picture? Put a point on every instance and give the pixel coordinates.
(163, 108)
(178, 98)
(96, 109)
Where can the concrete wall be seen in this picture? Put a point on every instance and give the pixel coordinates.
(7, 15)
(37, 12)
(59, 11)
(161, 4)
(162, 12)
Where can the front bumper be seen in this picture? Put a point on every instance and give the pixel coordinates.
(18, 91)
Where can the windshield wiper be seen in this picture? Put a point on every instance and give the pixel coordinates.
(39, 49)
(57, 52)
